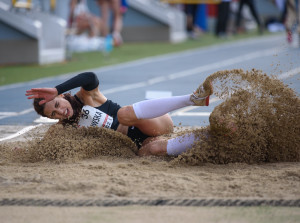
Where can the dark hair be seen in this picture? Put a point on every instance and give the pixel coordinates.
(76, 106)
(39, 108)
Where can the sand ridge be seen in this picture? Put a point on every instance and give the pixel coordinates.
(258, 121)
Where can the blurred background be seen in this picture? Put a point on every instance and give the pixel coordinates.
(141, 49)
(36, 31)
(49, 31)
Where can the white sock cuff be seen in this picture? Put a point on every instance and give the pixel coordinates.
(180, 144)
(137, 110)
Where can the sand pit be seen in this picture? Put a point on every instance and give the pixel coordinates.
(252, 152)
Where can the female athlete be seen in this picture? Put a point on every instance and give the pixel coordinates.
(143, 122)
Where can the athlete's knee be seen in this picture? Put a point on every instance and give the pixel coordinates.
(126, 115)
(169, 123)
(155, 148)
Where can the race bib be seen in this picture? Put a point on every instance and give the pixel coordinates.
(92, 117)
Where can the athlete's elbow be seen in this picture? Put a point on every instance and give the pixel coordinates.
(92, 77)
(92, 81)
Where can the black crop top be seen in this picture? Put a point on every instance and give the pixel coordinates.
(110, 108)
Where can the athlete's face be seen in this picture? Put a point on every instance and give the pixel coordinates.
(58, 108)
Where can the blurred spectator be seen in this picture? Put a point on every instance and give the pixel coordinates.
(292, 19)
(281, 5)
(274, 23)
(222, 19)
(81, 20)
(118, 8)
(191, 13)
(254, 13)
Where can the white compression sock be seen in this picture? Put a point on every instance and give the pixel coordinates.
(157, 107)
(180, 144)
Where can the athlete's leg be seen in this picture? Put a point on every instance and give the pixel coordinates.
(155, 146)
(158, 107)
(149, 109)
(152, 127)
(173, 147)
(150, 115)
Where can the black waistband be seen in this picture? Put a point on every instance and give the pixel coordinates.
(136, 135)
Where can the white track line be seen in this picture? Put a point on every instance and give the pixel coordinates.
(44, 120)
(11, 114)
(197, 70)
(289, 73)
(152, 59)
(185, 111)
(21, 132)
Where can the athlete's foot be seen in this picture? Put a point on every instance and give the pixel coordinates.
(201, 96)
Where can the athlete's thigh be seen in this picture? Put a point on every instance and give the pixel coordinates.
(156, 126)
(152, 127)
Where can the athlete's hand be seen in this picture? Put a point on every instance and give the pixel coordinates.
(47, 94)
